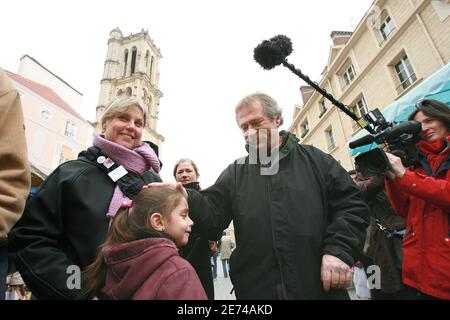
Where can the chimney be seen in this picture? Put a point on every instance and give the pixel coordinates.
(340, 37)
(306, 92)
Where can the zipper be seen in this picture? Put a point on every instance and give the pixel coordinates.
(283, 288)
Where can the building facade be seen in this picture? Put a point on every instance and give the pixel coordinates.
(54, 131)
(396, 45)
(132, 68)
(31, 69)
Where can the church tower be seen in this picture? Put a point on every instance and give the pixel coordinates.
(132, 68)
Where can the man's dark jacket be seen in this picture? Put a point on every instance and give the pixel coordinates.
(198, 253)
(284, 223)
(62, 227)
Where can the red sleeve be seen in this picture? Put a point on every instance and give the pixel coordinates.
(430, 189)
(399, 200)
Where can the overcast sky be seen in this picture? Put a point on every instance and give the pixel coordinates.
(207, 65)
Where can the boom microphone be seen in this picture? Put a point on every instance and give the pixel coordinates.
(273, 52)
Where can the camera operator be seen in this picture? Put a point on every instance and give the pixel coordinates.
(421, 194)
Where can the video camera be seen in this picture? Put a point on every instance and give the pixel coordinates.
(399, 139)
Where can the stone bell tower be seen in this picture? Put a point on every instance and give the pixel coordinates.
(132, 69)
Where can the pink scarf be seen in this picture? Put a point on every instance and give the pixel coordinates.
(137, 160)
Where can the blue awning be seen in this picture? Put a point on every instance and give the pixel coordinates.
(436, 86)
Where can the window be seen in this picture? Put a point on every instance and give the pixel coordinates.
(347, 76)
(66, 154)
(144, 96)
(382, 25)
(304, 128)
(125, 62)
(362, 107)
(386, 28)
(152, 61)
(322, 107)
(147, 55)
(133, 60)
(70, 129)
(129, 92)
(405, 73)
(330, 139)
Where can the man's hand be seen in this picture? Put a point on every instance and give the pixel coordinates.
(397, 169)
(177, 185)
(335, 273)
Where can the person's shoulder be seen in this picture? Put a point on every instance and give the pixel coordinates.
(177, 264)
(76, 165)
(312, 151)
(5, 83)
(309, 148)
(73, 169)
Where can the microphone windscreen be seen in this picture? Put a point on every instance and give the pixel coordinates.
(270, 53)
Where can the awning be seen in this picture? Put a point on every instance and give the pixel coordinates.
(436, 86)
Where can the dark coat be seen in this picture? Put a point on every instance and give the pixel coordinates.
(150, 269)
(284, 223)
(62, 227)
(384, 250)
(198, 253)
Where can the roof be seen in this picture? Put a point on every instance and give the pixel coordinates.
(45, 92)
(38, 63)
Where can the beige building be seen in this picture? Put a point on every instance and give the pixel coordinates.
(397, 45)
(132, 68)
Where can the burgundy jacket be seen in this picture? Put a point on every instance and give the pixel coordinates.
(150, 269)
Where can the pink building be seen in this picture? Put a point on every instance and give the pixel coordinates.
(55, 132)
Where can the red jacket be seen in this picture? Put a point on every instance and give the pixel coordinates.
(150, 269)
(422, 196)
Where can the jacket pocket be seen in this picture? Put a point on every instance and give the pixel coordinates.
(412, 258)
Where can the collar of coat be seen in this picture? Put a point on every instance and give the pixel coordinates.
(288, 143)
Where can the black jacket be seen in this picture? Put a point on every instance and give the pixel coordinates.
(285, 222)
(198, 253)
(62, 227)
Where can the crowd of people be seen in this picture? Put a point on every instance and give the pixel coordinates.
(302, 223)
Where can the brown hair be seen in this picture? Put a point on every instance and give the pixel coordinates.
(434, 109)
(129, 226)
(182, 161)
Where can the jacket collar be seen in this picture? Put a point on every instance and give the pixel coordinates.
(290, 142)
